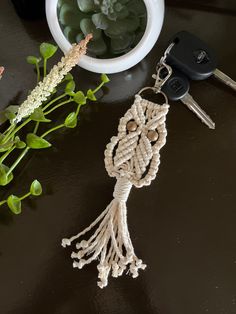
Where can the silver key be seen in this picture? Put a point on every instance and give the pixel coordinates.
(177, 88)
(225, 79)
(194, 107)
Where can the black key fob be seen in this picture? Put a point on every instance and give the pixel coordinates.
(177, 86)
(192, 56)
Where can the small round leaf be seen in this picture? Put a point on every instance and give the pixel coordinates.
(90, 95)
(71, 120)
(4, 178)
(36, 142)
(70, 87)
(36, 188)
(38, 116)
(33, 60)
(105, 78)
(80, 98)
(47, 50)
(14, 203)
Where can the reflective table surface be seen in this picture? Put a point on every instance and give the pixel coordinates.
(183, 226)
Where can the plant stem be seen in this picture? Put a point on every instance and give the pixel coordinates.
(3, 157)
(78, 109)
(99, 87)
(3, 202)
(25, 196)
(36, 127)
(44, 67)
(58, 105)
(54, 100)
(9, 128)
(17, 161)
(38, 72)
(52, 130)
(13, 132)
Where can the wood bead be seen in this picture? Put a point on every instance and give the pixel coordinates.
(131, 126)
(152, 136)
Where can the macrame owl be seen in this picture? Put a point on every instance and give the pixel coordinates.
(133, 158)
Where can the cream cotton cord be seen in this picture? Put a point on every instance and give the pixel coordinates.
(133, 158)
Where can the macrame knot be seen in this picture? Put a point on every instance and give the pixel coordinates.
(122, 189)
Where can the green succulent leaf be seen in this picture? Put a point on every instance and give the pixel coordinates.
(4, 178)
(70, 87)
(71, 120)
(36, 142)
(87, 27)
(122, 43)
(38, 116)
(120, 27)
(79, 37)
(47, 50)
(79, 98)
(70, 15)
(137, 7)
(36, 188)
(70, 33)
(98, 47)
(90, 95)
(86, 5)
(33, 60)
(105, 78)
(14, 203)
(100, 21)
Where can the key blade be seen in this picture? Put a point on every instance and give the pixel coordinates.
(194, 107)
(225, 79)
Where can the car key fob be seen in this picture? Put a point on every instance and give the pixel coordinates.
(192, 56)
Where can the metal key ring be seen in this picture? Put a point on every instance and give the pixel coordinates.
(155, 91)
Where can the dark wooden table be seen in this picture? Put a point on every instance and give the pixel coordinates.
(183, 225)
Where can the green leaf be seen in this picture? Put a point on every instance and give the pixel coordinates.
(47, 50)
(121, 27)
(68, 77)
(4, 178)
(33, 60)
(105, 78)
(70, 33)
(70, 87)
(36, 142)
(88, 27)
(122, 43)
(38, 116)
(100, 21)
(90, 95)
(97, 47)
(19, 144)
(71, 16)
(79, 98)
(36, 188)
(4, 147)
(14, 203)
(86, 5)
(79, 37)
(71, 120)
(10, 112)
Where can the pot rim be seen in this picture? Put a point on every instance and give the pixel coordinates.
(117, 64)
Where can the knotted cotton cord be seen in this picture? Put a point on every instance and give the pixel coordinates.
(133, 158)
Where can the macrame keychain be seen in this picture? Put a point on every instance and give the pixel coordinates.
(133, 158)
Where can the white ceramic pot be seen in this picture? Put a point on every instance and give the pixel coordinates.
(155, 16)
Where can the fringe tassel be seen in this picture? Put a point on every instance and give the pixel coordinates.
(111, 242)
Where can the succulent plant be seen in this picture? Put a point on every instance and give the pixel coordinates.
(117, 25)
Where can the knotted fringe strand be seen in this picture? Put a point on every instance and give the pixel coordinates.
(111, 242)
